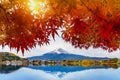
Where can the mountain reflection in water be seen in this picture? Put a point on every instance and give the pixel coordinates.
(57, 68)
(58, 73)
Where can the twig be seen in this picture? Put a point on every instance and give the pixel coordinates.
(5, 14)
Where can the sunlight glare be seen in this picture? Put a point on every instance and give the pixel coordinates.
(38, 6)
(2, 36)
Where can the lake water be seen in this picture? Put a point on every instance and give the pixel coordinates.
(58, 73)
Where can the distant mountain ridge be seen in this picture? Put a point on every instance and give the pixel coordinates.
(61, 54)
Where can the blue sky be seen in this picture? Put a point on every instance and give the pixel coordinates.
(60, 43)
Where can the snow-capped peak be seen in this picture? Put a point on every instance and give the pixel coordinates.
(58, 51)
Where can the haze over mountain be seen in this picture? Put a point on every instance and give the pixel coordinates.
(61, 54)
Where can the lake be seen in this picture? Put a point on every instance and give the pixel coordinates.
(58, 73)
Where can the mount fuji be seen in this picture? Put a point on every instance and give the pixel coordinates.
(59, 51)
(61, 54)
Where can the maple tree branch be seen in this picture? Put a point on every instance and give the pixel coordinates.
(93, 12)
(86, 6)
(4, 10)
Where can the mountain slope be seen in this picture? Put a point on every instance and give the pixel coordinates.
(8, 56)
(60, 54)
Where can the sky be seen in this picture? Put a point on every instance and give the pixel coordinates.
(60, 43)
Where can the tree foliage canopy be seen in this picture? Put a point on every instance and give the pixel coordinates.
(84, 23)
